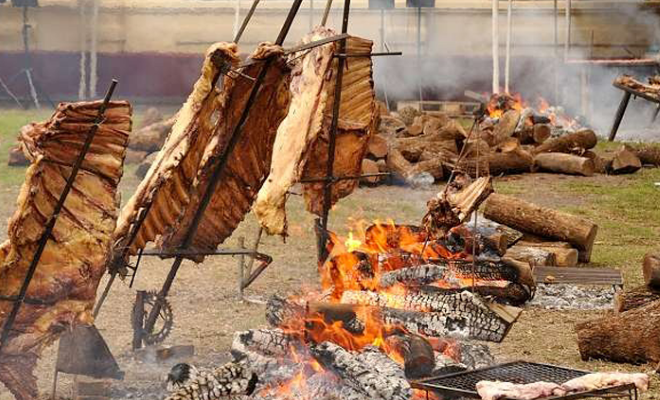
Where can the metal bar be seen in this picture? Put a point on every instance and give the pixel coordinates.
(344, 178)
(254, 275)
(301, 47)
(217, 173)
(241, 267)
(104, 295)
(327, 190)
(507, 56)
(326, 12)
(619, 114)
(567, 29)
(246, 20)
(495, 34)
(221, 252)
(419, 52)
(6, 89)
(655, 114)
(381, 54)
(255, 247)
(50, 225)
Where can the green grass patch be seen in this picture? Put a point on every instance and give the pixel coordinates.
(11, 121)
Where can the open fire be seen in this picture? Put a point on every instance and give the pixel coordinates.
(396, 302)
(535, 112)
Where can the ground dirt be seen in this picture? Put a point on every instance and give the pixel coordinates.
(207, 310)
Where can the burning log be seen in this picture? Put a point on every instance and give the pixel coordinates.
(453, 271)
(565, 255)
(267, 352)
(634, 298)
(532, 255)
(629, 337)
(535, 134)
(369, 372)
(455, 204)
(584, 139)
(230, 379)
(542, 221)
(416, 353)
(624, 162)
(565, 163)
(488, 239)
(464, 316)
(505, 127)
(651, 269)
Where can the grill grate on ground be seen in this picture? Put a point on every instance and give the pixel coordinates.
(522, 372)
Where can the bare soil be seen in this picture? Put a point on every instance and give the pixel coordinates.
(207, 311)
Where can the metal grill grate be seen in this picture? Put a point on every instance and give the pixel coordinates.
(464, 383)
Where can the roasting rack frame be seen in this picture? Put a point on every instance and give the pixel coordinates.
(628, 92)
(434, 384)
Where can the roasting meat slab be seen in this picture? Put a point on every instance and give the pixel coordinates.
(249, 162)
(63, 289)
(357, 122)
(168, 183)
(299, 130)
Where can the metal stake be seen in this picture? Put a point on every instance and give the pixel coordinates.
(247, 19)
(50, 225)
(327, 190)
(326, 12)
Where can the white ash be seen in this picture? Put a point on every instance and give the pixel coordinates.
(573, 297)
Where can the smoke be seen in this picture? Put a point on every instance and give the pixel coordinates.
(455, 56)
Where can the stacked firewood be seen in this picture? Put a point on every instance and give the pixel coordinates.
(632, 335)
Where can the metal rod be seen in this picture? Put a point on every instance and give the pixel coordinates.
(104, 295)
(496, 45)
(219, 252)
(326, 12)
(255, 247)
(327, 190)
(246, 20)
(381, 54)
(93, 50)
(567, 28)
(419, 52)
(50, 225)
(556, 49)
(241, 267)
(217, 172)
(382, 49)
(344, 178)
(619, 114)
(507, 56)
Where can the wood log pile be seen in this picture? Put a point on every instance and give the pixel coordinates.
(422, 148)
(632, 334)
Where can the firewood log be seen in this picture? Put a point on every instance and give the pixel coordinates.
(634, 298)
(416, 352)
(564, 163)
(377, 147)
(584, 139)
(565, 255)
(601, 163)
(542, 221)
(535, 134)
(467, 315)
(506, 126)
(406, 170)
(629, 337)
(651, 269)
(648, 155)
(370, 167)
(511, 161)
(624, 162)
(370, 372)
(415, 130)
(533, 255)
